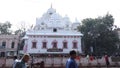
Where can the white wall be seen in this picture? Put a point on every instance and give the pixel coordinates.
(49, 44)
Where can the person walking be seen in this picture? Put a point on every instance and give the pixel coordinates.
(71, 63)
(107, 60)
(15, 61)
(22, 63)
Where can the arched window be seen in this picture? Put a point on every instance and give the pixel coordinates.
(75, 44)
(54, 43)
(54, 30)
(50, 13)
(44, 44)
(34, 44)
(65, 44)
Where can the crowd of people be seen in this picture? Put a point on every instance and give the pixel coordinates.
(70, 63)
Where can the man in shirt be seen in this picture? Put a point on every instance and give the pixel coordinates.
(15, 61)
(71, 63)
(21, 64)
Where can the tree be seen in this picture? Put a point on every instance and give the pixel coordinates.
(22, 29)
(21, 32)
(5, 28)
(98, 35)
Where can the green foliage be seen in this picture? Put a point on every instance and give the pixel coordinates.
(99, 34)
(5, 28)
(20, 32)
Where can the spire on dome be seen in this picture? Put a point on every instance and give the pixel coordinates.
(51, 5)
(51, 10)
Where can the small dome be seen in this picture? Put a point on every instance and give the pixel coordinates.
(66, 18)
(51, 11)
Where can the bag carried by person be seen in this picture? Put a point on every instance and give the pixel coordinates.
(18, 64)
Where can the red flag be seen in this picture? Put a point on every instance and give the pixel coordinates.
(91, 58)
(78, 57)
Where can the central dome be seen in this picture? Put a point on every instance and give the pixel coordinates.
(51, 11)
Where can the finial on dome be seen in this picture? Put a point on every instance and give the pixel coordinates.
(51, 5)
(51, 10)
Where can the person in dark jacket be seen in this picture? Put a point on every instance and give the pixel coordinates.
(15, 61)
(107, 60)
(71, 63)
(22, 63)
(42, 65)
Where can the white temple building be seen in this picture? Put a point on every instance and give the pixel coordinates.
(53, 34)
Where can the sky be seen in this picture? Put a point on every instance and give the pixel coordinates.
(24, 12)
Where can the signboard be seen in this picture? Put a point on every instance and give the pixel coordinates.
(54, 50)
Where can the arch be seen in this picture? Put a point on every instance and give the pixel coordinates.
(75, 44)
(65, 44)
(54, 43)
(34, 43)
(44, 43)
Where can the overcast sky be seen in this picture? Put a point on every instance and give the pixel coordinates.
(19, 11)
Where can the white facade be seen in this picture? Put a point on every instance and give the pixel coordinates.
(53, 34)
